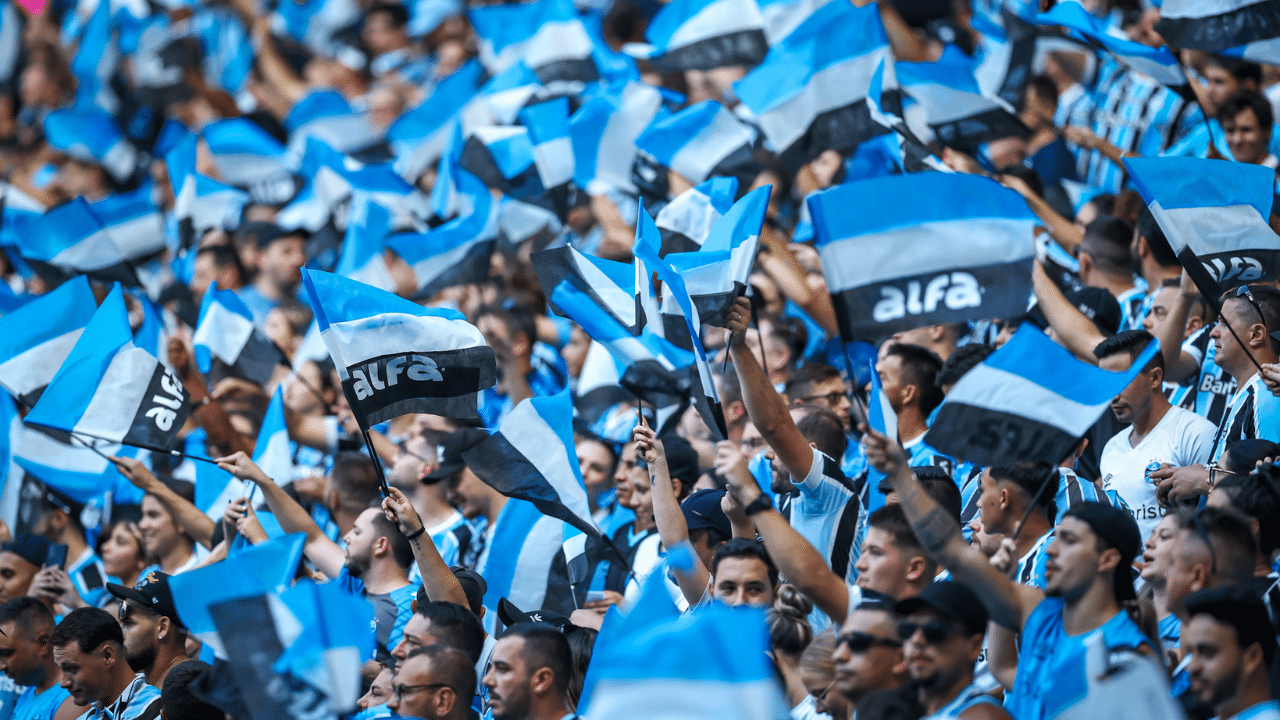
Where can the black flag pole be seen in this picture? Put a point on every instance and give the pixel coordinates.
(377, 464)
(77, 434)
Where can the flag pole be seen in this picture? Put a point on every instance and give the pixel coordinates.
(141, 446)
(377, 464)
(1053, 472)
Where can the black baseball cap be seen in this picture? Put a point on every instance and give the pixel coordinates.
(702, 510)
(1119, 530)
(473, 585)
(1094, 303)
(510, 615)
(952, 601)
(450, 451)
(152, 593)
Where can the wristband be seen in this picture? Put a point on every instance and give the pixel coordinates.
(759, 505)
(416, 534)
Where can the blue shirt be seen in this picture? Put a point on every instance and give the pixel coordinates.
(9, 691)
(1269, 710)
(135, 702)
(391, 611)
(547, 376)
(40, 706)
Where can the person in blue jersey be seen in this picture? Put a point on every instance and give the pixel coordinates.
(1016, 501)
(26, 657)
(434, 682)
(59, 521)
(1087, 583)
(942, 630)
(1252, 311)
(424, 461)
(1231, 643)
(155, 639)
(526, 367)
(89, 650)
(177, 699)
(530, 674)
(280, 256)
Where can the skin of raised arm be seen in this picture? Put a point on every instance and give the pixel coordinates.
(189, 517)
(437, 579)
(672, 528)
(1178, 366)
(1074, 330)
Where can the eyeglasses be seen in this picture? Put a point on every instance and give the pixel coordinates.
(1243, 292)
(1217, 472)
(935, 631)
(403, 446)
(860, 642)
(831, 398)
(402, 690)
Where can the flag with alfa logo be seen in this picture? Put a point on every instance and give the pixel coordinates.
(110, 390)
(395, 357)
(966, 254)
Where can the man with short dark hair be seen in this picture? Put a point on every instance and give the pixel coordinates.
(442, 623)
(1247, 121)
(179, 703)
(1230, 643)
(743, 574)
(892, 562)
(1105, 263)
(418, 472)
(815, 383)
(526, 367)
(530, 673)
(434, 682)
(89, 650)
(868, 654)
(216, 263)
(26, 658)
(941, 340)
(1213, 547)
(1016, 501)
(907, 374)
(155, 640)
(281, 255)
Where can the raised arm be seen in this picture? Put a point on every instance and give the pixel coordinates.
(185, 514)
(1064, 232)
(1179, 366)
(322, 551)
(1075, 331)
(1008, 604)
(437, 579)
(765, 406)
(797, 559)
(672, 528)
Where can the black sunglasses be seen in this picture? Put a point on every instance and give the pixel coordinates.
(1244, 292)
(860, 642)
(935, 631)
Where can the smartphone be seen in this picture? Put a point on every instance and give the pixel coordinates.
(56, 556)
(595, 596)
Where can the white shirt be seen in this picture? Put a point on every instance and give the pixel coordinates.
(1180, 438)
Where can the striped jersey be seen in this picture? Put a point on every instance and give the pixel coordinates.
(1073, 490)
(1254, 413)
(1214, 386)
(1135, 303)
(829, 514)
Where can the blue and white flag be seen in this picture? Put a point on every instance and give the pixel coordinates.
(532, 457)
(202, 204)
(1007, 56)
(1031, 400)
(716, 275)
(1259, 51)
(110, 390)
(698, 142)
(882, 419)
(1215, 214)
(954, 107)
(712, 662)
(783, 16)
(19, 213)
(70, 240)
(326, 116)
(133, 221)
(226, 331)
(522, 563)
(1217, 25)
(77, 467)
(502, 157)
(362, 260)
(546, 35)
(334, 178)
(92, 136)
(705, 34)
(251, 159)
(548, 124)
(965, 255)
(273, 452)
(457, 252)
(36, 338)
(395, 357)
(419, 135)
(1160, 64)
(686, 221)
(196, 591)
(333, 642)
(808, 94)
(911, 153)
(604, 131)
(215, 488)
(609, 283)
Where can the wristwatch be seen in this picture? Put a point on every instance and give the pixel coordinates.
(760, 504)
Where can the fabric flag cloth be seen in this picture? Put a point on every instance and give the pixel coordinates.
(326, 116)
(362, 260)
(704, 35)
(609, 283)
(525, 563)
(67, 463)
(333, 642)
(133, 221)
(202, 204)
(395, 357)
(111, 390)
(1007, 56)
(698, 142)
(882, 419)
(716, 275)
(249, 158)
(1160, 64)
(91, 136)
(966, 254)
(532, 457)
(954, 106)
(1217, 25)
(70, 240)
(912, 155)
(712, 662)
(1215, 214)
(546, 35)
(215, 488)
(604, 131)
(420, 134)
(226, 331)
(36, 338)
(686, 221)
(1031, 400)
(807, 95)
(548, 124)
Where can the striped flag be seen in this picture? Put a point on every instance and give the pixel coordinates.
(226, 331)
(251, 159)
(686, 221)
(326, 116)
(808, 94)
(332, 643)
(705, 34)
(92, 136)
(362, 260)
(604, 131)
(419, 135)
(395, 357)
(546, 35)
(783, 16)
(1259, 51)
(133, 221)
(966, 254)
(36, 338)
(548, 124)
(202, 204)
(71, 240)
(954, 107)
(215, 488)
(1160, 64)
(1217, 25)
(1031, 400)
(698, 142)
(912, 154)
(66, 463)
(1007, 56)
(502, 157)
(609, 284)
(272, 451)
(111, 390)
(1215, 214)
(532, 457)
(882, 419)
(523, 561)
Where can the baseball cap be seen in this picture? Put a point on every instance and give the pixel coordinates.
(510, 615)
(450, 453)
(152, 593)
(261, 232)
(1118, 528)
(1094, 303)
(32, 548)
(682, 459)
(473, 585)
(702, 510)
(951, 600)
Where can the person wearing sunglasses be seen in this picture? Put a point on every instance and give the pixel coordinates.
(433, 683)
(868, 652)
(942, 630)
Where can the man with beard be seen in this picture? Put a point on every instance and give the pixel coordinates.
(26, 656)
(89, 650)
(868, 654)
(529, 676)
(942, 630)
(1231, 643)
(377, 565)
(154, 638)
